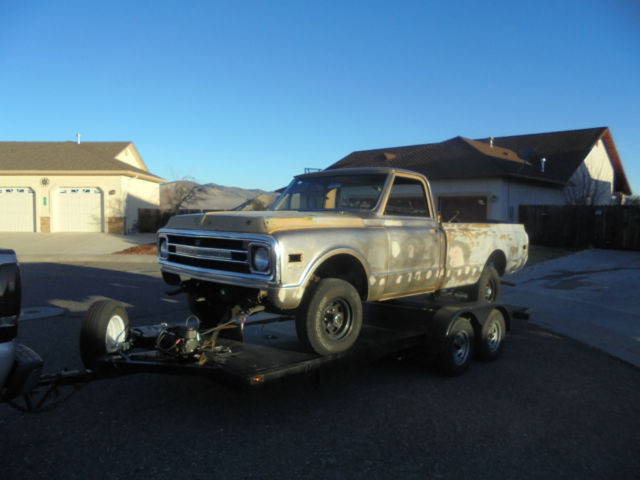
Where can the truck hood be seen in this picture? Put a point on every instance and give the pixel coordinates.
(265, 222)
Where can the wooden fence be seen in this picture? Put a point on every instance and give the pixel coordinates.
(616, 227)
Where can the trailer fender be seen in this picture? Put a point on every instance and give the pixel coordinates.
(444, 318)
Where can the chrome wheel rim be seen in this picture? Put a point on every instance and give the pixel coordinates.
(116, 334)
(489, 292)
(337, 319)
(494, 336)
(461, 344)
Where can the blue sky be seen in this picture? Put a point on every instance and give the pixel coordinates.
(249, 93)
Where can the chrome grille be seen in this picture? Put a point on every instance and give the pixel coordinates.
(224, 254)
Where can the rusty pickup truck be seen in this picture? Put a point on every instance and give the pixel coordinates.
(333, 240)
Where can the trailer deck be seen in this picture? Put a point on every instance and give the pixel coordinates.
(267, 348)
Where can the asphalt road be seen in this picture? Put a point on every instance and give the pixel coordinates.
(550, 407)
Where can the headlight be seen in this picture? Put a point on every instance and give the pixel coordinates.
(163, 247)
(261, 259)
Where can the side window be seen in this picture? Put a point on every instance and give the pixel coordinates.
(407, 198)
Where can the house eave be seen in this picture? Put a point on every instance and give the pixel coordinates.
(536, 180)
(91, 173)
(621, 184)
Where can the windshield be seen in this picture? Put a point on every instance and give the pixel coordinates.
(332, 192)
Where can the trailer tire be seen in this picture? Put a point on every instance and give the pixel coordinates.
(457, 353)
(330, 321)
(105, 329)
(492, 336)
(487, 290)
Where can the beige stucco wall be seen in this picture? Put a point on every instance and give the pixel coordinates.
(137, 194)
(503, 197)
(130, 156)
(517, 194)
(122, 195)
(489, 188)
(592, 182)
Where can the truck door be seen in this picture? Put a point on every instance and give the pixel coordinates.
(415, 240)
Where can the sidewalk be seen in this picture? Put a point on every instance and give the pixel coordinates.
(591, 296)
(59, 247)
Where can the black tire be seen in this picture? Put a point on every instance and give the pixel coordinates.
(105, 329)
(487, 290)
(492, 336)
(330, 321)
(456, 356)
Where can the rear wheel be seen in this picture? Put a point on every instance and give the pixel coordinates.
(487, 290)
(105, 329)
(330, 320)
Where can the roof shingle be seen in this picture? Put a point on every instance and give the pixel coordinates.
(515, 156)
(65, 157)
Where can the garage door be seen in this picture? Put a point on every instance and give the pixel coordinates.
(77, 209)
(17, 209)
(463, 209)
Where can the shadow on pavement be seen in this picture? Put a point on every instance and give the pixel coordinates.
(74, 288)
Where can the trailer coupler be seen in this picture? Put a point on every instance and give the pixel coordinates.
(48, 393)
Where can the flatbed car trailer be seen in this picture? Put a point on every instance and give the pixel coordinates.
(259, 349)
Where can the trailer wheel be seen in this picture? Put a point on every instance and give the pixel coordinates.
(492, 336)
(330, 320)
(105, 329)
(487, 290)
(456, 356)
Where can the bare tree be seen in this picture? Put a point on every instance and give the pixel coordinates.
(257, 204)
(182, 192)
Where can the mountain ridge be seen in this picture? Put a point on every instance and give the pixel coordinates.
(211, 196)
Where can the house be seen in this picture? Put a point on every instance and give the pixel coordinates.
(489, 178)
(74, 187)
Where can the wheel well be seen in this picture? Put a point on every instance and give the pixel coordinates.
(499, 260)
(348, 268)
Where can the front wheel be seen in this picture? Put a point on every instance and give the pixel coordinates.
(105, 329)
(330, 320)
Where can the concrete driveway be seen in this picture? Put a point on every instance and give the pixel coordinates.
(61, 247)
(591, 296)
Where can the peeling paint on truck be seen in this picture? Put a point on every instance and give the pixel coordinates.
(386, 253)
